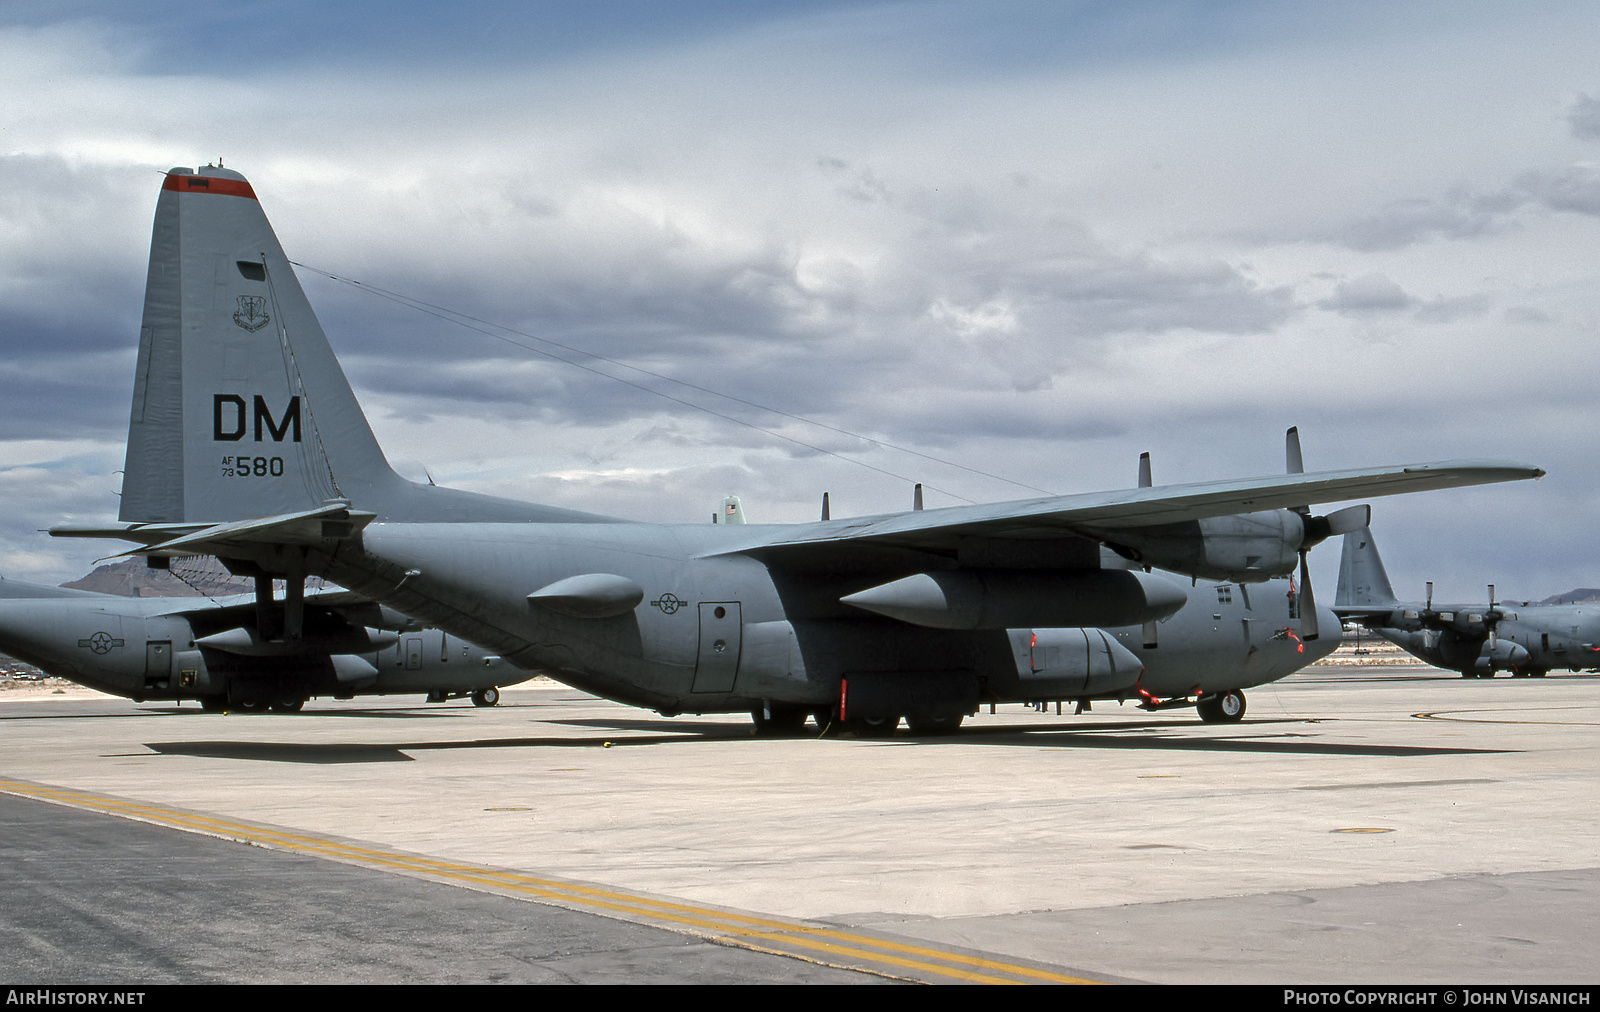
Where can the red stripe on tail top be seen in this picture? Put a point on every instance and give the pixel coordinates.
(208, 184)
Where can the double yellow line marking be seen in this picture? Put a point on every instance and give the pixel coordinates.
(751, 931)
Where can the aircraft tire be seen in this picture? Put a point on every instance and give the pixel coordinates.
(775, 720)
(288, 705)
(873, 727)
(486, 697)
(930, 727)
(213, 704)
(1221, 707)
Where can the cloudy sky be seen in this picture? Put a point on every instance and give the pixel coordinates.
(991, 247)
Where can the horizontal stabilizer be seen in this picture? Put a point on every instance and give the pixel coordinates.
(145, 534)
(334, 522)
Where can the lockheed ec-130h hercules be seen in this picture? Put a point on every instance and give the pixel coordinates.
(1474, 639)
(246, 442)
(228, 653)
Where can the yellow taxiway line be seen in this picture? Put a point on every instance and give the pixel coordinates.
(815, 942)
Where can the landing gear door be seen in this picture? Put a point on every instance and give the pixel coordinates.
(720, 634)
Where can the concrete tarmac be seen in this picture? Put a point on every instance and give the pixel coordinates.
(1360, 826)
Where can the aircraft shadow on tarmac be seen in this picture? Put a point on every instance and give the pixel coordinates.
(1081, 736)
(680, 733)
(25, 712)
(350, 752)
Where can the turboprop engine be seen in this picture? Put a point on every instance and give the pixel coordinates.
(1242, 548)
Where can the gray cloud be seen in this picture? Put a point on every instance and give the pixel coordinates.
(1460, 214)
(1367, 294)
(979, 266)
(1575, 189)
(1584, 118)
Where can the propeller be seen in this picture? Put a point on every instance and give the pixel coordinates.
(1491, 619)
(1150, 634)
(1317, 530)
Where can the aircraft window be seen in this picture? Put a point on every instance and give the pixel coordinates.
(254, 272)
(1224, 595)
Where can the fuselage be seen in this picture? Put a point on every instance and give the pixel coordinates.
(1535, 637)
(156, 648)
(719, 630)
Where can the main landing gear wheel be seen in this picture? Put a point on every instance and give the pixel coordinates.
(774, 720)
(486, 697)
(288, 705)
(1222, 707)
(928, 727)
(873, 727)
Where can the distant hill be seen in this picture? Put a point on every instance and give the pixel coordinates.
(1580, 596)
(132, 578)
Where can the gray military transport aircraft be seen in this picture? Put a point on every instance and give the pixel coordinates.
(246, 442)
(1474, 639)
(228, 653)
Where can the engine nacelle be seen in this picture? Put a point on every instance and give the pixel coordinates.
(1242, 548)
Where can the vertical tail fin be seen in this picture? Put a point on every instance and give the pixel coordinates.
(239, 407)
(1362, 580)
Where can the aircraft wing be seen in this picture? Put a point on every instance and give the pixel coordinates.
(1080, 515)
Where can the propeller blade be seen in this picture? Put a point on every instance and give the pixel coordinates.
(1491, 618)
(1294, 462)
(1308, 604)
(1345, 521)
(1349, 520)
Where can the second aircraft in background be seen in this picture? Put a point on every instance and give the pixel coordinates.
(1474, 639)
